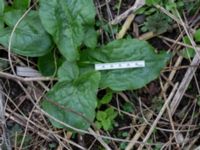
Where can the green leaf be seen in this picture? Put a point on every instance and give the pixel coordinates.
(21, 4)
(2, 5)
(101, 115)
(73, 103)
(111, 113)
(197, 35)
(106, 98)
(107, 124)
(69, 71)
(47, 64)
(1, 23)
(106, 118)
(128, 107)
(65, 21)
(29, 38)
(187, 52)
(152, 2)
(90, 39)
(128, 50)
(171, 6)
(98, 124)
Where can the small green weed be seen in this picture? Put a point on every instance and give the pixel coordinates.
(157, 23)
(190, 52)
(105, 119)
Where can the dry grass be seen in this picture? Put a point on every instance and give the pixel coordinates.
(174, 126)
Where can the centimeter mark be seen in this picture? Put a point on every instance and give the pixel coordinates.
(120, 65)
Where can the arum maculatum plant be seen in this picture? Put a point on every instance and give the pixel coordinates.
(67, 26)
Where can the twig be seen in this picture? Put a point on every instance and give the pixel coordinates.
(189, 35)
(20, 121)
(99, 139)
(11, 38)
(138, 134)
(15, 77)
(138, 4)
(184, 84)
(190, 73)
(159, 116)
(48, 135)
(175, 42)
(172, 73)
(4, 137)
(169, 114)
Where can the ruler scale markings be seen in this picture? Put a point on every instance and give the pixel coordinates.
(120, 65)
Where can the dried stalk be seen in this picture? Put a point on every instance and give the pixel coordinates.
(138, 4)
(4, 134)
(184, 83)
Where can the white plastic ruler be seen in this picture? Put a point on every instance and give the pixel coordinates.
(120, 65)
